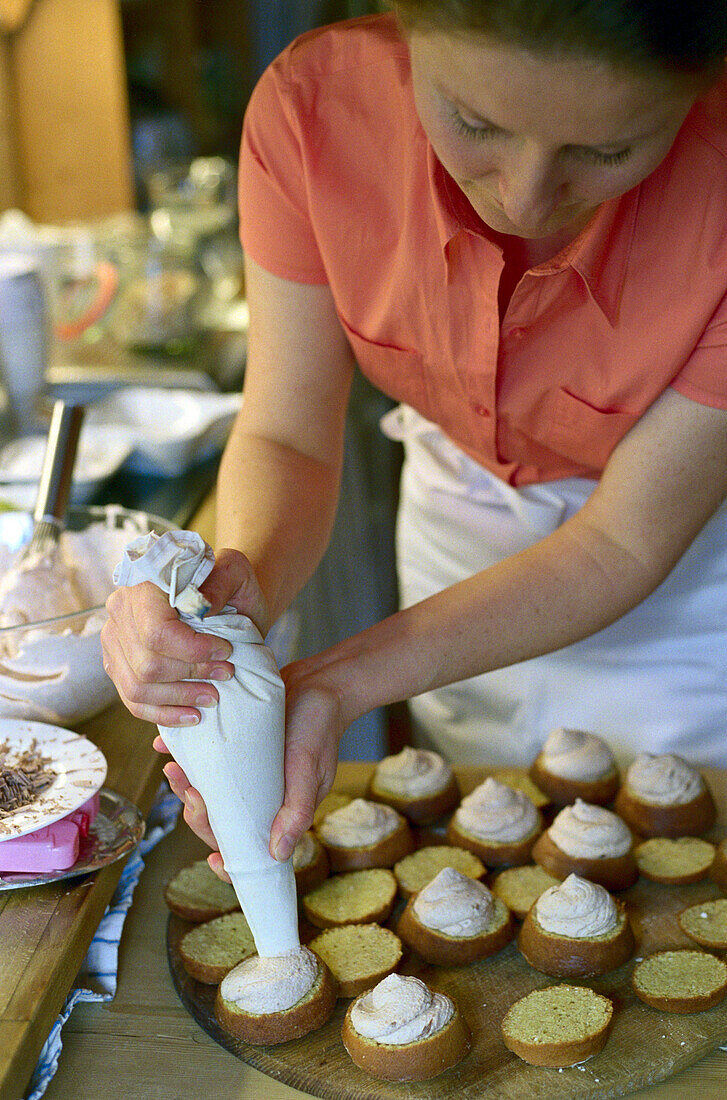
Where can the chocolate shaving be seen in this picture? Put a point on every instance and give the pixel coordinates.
(24, 779)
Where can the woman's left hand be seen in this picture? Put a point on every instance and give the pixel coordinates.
(314, 727)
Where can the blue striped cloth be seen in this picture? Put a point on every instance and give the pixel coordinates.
(98, 974)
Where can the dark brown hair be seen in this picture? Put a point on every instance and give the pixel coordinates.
(676, 37)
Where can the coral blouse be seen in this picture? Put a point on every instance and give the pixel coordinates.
(339, 186)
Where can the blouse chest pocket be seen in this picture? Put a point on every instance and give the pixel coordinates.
(397, 372)
(582, 432)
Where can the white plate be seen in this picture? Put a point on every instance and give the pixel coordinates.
(80, 771)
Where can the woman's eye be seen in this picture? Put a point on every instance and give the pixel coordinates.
(604, 160)
(477, 132)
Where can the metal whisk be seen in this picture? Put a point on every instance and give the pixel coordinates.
(55, 481)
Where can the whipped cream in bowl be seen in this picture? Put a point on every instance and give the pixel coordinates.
(274, 983)
(51, 615)
(664, 780)
(400, 1010)
(454, 904)
(585, 831)
(413, 773)
(359, 824)
(577, 908)
(497, 812)
(574, 754)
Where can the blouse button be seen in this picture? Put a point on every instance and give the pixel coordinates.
(480, 409)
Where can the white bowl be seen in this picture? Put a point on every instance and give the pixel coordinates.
(52, 670)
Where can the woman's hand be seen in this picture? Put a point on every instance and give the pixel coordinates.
(154, 658)
(314, 727)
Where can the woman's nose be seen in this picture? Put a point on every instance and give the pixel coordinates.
(530, 190)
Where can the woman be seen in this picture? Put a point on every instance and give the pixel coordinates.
(511, 215)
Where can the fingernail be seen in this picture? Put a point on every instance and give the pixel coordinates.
(284, 849)
(221, 654)
(222, 673)
(206, 700)
(188, 719)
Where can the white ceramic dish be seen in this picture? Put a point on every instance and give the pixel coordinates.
(167, 430)
(80, 769)
(101, 452)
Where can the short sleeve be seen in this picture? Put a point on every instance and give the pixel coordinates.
(703, 377)
(275, 227)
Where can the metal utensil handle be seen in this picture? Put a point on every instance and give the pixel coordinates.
(60, 455)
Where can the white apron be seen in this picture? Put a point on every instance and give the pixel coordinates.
(654, 681)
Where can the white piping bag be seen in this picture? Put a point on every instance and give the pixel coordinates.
(235, 755)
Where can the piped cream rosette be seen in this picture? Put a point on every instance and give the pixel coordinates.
(364, 834)
(575, 929)
(572, 764)
(418, 783)
(665, 796)
(496, 822)
(401, 1030)
(590, 841)
(454, 920)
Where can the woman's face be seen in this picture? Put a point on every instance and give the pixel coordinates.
(537, 143)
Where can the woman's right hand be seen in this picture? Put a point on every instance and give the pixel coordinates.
(154, 658)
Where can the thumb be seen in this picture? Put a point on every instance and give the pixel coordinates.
(233, 581)
(296, 813)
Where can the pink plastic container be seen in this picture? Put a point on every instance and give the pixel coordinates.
(54, 847)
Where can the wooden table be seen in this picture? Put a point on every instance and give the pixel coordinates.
(145, 1046)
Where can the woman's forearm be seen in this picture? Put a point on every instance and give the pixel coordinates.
(563, 589)
(651, 502)
(277, 506)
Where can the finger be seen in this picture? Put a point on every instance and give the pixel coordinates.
(296, 813)
(177, 777)
(162, 703)
(158, 745)
(233, 581)
(143, 613)
(195, 814)
(153, 663)
(216, 864)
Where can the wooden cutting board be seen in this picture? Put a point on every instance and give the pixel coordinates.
(645, 1046)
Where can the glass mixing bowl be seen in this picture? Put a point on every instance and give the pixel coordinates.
(51, 670)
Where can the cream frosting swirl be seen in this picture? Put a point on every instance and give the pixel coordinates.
(454, 904)
(664, 780)
(304, 852)
(494, 811)
(577, 908)
(413, 773)
(274, 983)
(400, 1010)
(574, 754)
(590, 832)
(359, 824)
